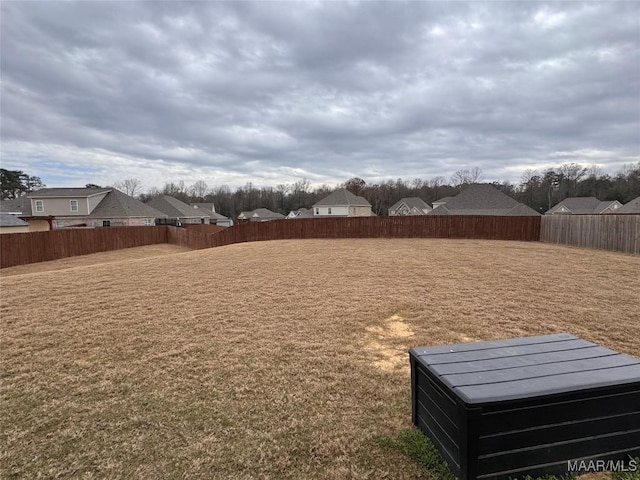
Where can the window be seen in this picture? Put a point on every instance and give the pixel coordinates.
(147, 222)
(39, 206)
(58, 224)
(74, 205)
(329, 211)
(106, 223)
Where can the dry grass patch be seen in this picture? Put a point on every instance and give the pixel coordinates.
(283, 359)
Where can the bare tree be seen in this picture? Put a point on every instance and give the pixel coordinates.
(129, 186)
(199, 189)
(355, 185)
(467, 177)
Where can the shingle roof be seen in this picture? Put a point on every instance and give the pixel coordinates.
(343, 197)
(67, 192)
(483, 199)
(206, 211)
(208, 205)
(21, 205)
(411, 202)
(632, 207)
(581, 205)
(174, 208)
(301, 213)
(8, 220)
(117, 204)
(443, 200)
(261, 213)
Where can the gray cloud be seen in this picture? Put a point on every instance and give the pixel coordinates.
(268, 92)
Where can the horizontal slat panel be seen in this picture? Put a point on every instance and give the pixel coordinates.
(472, 346)
(538, 371)
(558, 452)
(501, 352)
(446, 403)
(499, 421)
(523, 360)
(452, 459)
(439, 435)
(558, 468)
(447, 424)
(493, 392)
(558, 433)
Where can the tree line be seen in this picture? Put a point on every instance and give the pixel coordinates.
(538, 190)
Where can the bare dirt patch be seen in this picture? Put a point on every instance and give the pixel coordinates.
(387, 343)
(258, 360)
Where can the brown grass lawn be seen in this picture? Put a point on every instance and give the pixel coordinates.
(284, 359)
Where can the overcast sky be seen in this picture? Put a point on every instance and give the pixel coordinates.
(270, 92)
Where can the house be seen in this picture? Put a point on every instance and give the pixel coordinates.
(178, 212)
(300, 213)
(409, 206)
(584, 206)
(483, 199)
(21, 208)
(12, 224)
(207, 206)
(442, 201)
(632, 207)
(260, 215)
(214, 218)
(90, 207)
(342, 203)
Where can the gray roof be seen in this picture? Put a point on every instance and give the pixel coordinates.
(443, 200)
(67, 192)
(343, 197)
(411, 202)
(483, 199)
(301, 213)
(117, 204)
(20, 205)
(8, 220)
(206, 211)
(207, 205)
(582, 205)
(174, 208)
(262, 213)
(632, 207)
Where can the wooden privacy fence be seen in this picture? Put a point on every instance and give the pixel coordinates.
(479, 227)
(23, 248)
(618, 233)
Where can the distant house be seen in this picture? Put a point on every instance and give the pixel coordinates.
(632, 207)
(214, 218)
(409, 206)
(12, 224)
(342, 203)
(206, 205)
(21, 208)
(584, 206)
(177, 212)
(90, 207)
(300, 213)
(260, 215)
(442, 201)
(483, 200)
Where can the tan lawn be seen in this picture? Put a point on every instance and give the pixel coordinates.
(284, 359)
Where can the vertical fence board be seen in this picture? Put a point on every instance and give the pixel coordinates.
(32, 247)
(618, 233)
